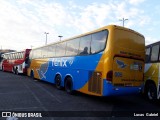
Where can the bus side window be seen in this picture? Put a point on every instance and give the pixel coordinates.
(85, 44)
(155, 52)
(51, 51)
(72, 47)
(60, 49)
(147, 57)
(98, 42)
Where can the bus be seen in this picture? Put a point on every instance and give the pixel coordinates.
(1, 59)
(104, 62)
(16, 62)
(152, 72)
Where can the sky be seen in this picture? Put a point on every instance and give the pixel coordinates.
(24, 22)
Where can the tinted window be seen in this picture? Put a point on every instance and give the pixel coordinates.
(148, 50)
(60, 49)
(98, 41)
(44, 52)
(85, 44)
(22, 54)
(19, 56)
(31, 54)
(154, 54)
(72, 47)
(15, 55)
(37, 53)
(51, 50)
(10, 56)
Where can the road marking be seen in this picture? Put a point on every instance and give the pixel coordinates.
(55, 97)
(34, 95)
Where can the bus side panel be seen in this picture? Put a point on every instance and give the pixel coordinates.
(35, 66)
(94, 86)
(6, 65)
(152, 72)
(80, 68)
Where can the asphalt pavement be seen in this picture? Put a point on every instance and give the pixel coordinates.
(21, 94)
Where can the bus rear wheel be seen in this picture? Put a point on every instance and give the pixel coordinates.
(151, 92)
(69, 85)
(58, 82)
(16, 71)
(13, 70)
(2, 68)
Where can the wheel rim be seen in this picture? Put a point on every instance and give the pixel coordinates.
(17, 71)
(150, 95)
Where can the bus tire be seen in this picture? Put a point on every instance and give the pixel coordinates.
(58, 82)
(69, 85)
(13, 70)
(32, 74)
(151, 92)
(2, 69)
(16, 71)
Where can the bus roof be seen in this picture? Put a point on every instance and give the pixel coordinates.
(15, 52)
(158, 42)
(93, 31)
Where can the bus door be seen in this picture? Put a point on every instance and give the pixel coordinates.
(127, 72)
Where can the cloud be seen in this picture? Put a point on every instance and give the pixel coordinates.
(135, 2)
(23, 22)
(149, 40)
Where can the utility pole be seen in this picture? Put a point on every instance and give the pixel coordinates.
(60, 37)
(123, 20)
(46, 37)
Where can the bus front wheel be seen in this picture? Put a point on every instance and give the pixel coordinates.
(69, 85)
(151, 92)
(58, 82)
(32, 74)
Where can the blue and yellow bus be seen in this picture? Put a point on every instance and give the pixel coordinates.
(107, 61)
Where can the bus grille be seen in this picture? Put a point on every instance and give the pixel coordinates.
(94, 84)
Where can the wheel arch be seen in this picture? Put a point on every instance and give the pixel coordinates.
(147, 83)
